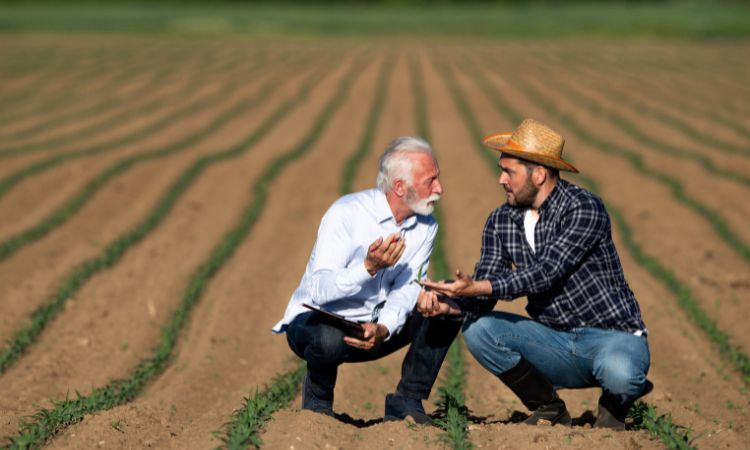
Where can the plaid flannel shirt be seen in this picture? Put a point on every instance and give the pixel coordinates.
(574, 279)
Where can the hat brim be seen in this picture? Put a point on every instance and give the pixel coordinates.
(499, 142)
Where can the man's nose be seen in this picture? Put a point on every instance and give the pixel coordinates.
(503, 178)
(437, 188)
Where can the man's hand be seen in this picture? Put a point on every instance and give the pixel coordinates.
(429, 304)
(463, 286)
(374, 332)
(384, 253)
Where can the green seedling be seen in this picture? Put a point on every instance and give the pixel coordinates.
(420, 275)
(117, 425)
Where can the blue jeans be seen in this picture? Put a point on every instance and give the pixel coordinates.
(616, 361)
(320, 342)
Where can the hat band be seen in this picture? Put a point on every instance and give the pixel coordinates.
(513, 145)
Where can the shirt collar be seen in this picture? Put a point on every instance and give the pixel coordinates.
(383, 212)
(554, 198)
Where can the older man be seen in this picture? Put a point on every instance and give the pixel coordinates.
(370, 246)
(585, 327)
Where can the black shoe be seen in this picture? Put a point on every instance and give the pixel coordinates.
(399, 407)
(314, 402)
(612, 413)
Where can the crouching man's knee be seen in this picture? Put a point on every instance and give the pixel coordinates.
(623, 376)
(480, 336)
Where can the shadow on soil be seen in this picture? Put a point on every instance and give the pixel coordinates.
(587, 418)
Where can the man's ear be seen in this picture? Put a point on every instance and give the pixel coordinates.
(399, 188)
(539, 175)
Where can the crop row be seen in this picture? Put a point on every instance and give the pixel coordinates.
(78, 200)
(55, 91)
(26, 335)
(451, 403)
(47, 422)
(110, 256)
(247, 421)
(153, 103)
(154, 81)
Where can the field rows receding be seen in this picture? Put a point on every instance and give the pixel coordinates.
(112, 322)
(233, 113)
(189, 127)
(58, 90)
(193, 207)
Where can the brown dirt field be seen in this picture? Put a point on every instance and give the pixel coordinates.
(108, 299)
(44, 90)
(226, 341)
(30, 199)
(227, 350)
(104, 218)
(642, 88)
(109, 84)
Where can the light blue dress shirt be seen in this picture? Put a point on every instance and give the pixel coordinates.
(336, 279)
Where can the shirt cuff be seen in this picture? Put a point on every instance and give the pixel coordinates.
(497, 287)
(359, 275)
(389, 319)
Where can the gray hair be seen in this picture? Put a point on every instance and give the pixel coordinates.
(394, 165)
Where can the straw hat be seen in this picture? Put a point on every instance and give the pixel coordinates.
(532, 141)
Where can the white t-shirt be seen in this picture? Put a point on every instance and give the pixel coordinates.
(529, 223)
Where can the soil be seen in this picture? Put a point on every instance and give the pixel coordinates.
(227, 351)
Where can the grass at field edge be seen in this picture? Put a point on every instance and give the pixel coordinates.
(692, 19)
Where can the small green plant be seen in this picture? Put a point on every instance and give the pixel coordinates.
(369, 406)
(242, 430)
(420, 275)
(661, 426)
(117, 425)
(730, 404)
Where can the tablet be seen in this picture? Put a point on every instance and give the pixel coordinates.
(353, 329)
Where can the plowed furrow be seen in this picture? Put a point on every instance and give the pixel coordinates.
(270, 163)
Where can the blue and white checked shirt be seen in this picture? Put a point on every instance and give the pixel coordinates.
(574, 279)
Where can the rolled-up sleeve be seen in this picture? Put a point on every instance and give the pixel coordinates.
(335, 274)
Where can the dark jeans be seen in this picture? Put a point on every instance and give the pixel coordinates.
(320, 342)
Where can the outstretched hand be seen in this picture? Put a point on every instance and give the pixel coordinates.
(463, 286)
(430, 304)
(384, 253)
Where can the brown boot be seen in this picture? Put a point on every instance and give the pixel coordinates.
(537, 394)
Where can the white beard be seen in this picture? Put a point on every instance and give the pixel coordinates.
(423, 207)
